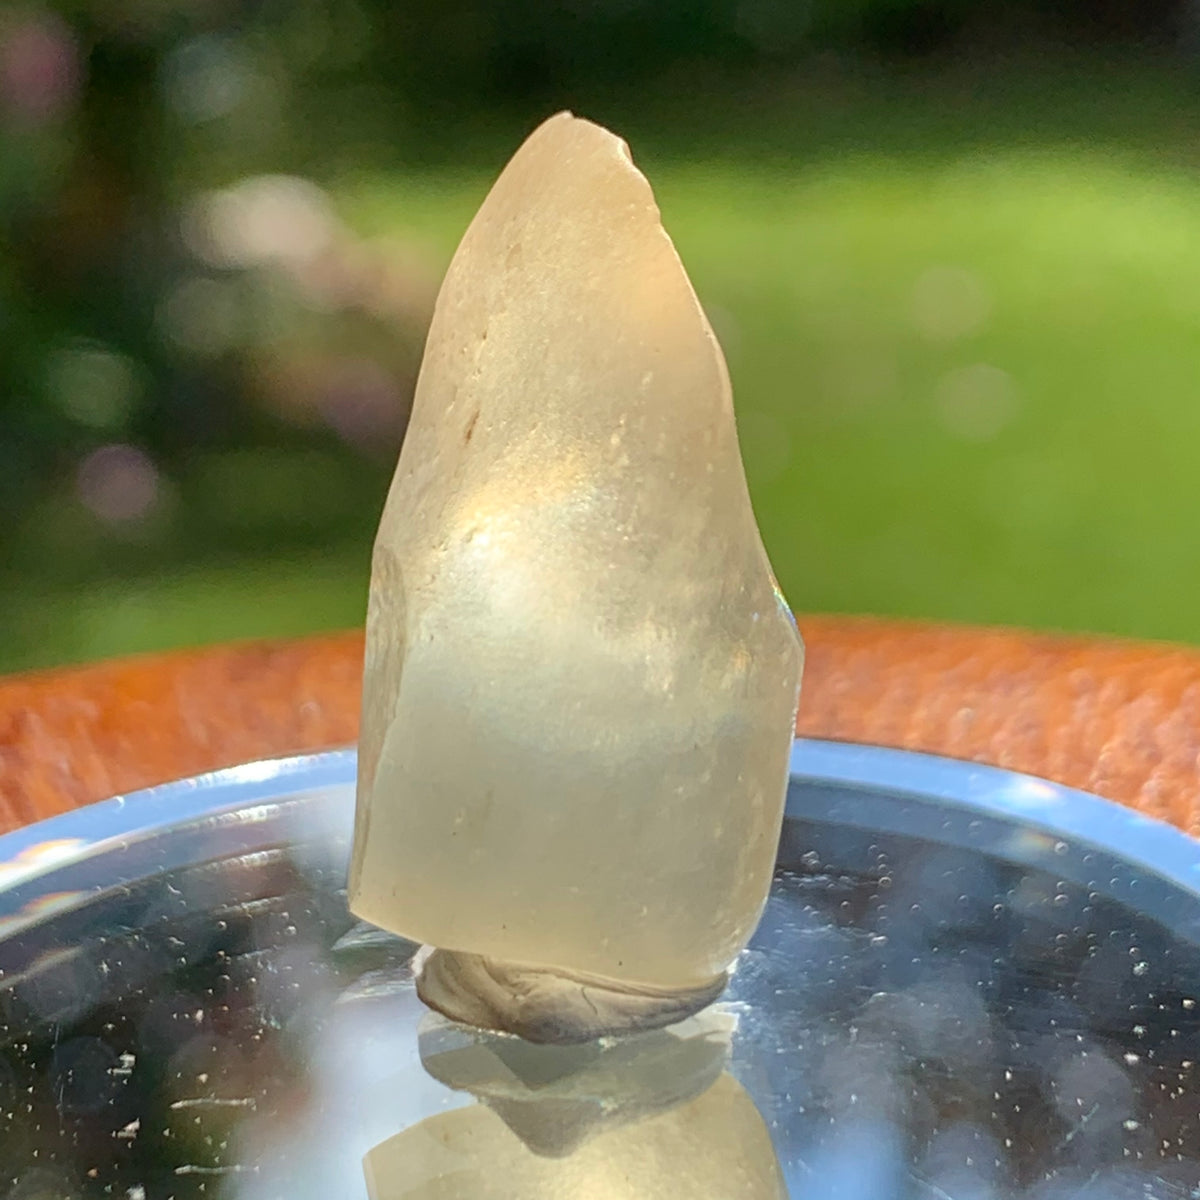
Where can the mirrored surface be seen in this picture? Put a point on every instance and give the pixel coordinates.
(966, 984)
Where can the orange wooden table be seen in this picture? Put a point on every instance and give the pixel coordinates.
(1117, 718)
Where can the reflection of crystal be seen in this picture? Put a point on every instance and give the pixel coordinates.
(556, 1097)
(580, 679)
(714, 1147)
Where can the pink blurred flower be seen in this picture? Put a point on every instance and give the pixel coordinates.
(119, 483)
(40, 68)
(363, 404)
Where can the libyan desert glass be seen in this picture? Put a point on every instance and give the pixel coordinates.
(581, 680)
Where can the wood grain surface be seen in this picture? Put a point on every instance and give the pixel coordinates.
(1118, 718)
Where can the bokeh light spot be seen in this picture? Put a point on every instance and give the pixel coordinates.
(949, 303)
(118, 483)
(206, 77)
(202, 316)
(40, 69)
(267, 219)
(92, 384)
(362, 403)
(977, 402)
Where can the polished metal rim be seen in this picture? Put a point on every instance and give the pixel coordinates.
(1018, 818)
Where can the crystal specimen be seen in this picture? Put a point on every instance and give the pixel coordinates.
(713, 1147)
(581, 679)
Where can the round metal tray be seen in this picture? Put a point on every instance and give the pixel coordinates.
(967, 983)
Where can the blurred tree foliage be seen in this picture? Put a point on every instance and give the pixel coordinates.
(105, 106)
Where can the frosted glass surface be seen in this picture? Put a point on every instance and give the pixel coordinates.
(581, 680)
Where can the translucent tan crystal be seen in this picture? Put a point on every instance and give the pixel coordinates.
(581, 679)
(715, 1147)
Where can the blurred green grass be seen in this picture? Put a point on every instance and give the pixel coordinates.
(966, 363)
